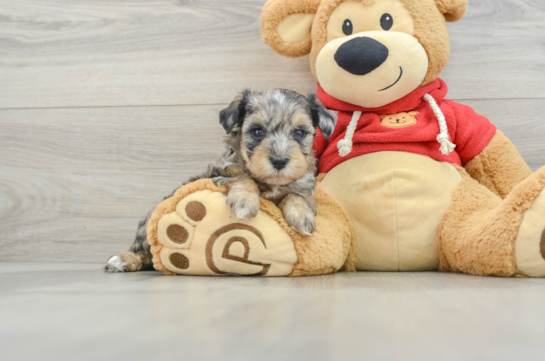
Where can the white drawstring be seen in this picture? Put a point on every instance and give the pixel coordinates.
(345, 145)
(446, 146)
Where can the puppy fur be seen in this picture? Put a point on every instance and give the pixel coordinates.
(268, 153)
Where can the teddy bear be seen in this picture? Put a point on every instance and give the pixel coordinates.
(409, 180)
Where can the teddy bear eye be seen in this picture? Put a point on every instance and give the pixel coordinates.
(386, 21)
(347, 27)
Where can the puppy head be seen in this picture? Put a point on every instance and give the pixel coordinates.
(274, 130)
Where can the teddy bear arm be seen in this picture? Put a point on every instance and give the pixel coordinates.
(499, 167)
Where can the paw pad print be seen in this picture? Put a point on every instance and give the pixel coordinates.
(202, 237)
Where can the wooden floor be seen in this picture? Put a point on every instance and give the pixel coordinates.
(76, 312)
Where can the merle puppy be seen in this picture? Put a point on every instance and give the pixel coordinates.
(268, 153)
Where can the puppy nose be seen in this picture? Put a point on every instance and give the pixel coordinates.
(278, 162)
(361, 56)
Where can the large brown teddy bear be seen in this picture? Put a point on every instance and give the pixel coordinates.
(409, 181)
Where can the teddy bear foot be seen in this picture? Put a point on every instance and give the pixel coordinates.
(201, 236)
(530, 242)
(195, 232)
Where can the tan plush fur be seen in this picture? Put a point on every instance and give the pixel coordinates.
(273, 14)
(482, 225)
(430, 30)
(453, 10)
(328, 250)
(168, 206)
(499, 167)
(429, 17)
(479, 229)
(322, 252)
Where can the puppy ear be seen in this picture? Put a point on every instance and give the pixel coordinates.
(321, 117)
(286, 25)
(235, 112)
(453, 10)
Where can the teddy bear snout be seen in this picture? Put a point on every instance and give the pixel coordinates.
(361, 55)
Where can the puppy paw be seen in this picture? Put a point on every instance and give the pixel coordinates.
(299, 213)
(301, 219)
(116, 264)
(244, 205)
(125, 262)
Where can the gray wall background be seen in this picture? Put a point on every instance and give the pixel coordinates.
(106, 106)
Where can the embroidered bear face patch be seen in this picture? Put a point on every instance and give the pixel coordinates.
(399, 120)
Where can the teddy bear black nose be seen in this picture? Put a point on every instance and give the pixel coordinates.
(361, 56)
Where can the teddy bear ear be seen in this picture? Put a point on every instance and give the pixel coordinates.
(286, 26)
(453, 10)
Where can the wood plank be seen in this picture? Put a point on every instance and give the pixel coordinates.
(75, 182)
(156, 52)
(521, 120)
(410, 316)
(498, 51)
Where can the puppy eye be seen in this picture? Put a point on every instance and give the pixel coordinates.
(347, 27)
(258, 133)
(299, 134)
(386, 21)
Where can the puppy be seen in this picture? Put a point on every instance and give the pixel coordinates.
(268, 153)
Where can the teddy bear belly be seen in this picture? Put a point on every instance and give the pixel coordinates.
(394, 202)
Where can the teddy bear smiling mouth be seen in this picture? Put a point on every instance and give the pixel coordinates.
(398, 79)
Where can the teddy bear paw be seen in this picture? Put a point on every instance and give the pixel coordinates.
(201, 236)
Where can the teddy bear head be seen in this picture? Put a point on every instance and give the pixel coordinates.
(365, 52)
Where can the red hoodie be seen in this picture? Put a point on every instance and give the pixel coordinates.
(469, 131)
